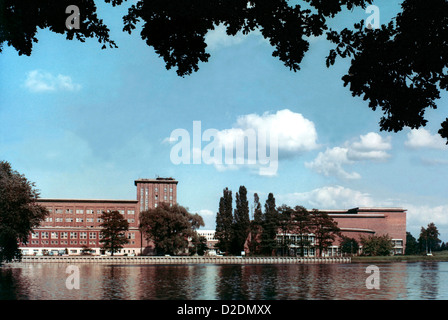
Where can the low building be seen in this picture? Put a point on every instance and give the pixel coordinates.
(356, 223)
(211, 240)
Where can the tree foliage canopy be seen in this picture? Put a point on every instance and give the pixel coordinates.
(429, 237)
(377, 245)
(399, 68)
(224, 221)
(241, 223)
(113, 232)
(20, 22)
(19, 211)
(169, 227)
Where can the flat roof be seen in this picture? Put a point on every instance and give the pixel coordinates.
(357, 210)
(157, 180)
(88, 200)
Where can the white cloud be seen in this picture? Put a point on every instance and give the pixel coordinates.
(40, 81)
(328, 197)
(255, 141)
(422, 138)
(331, 162)
(293, 135)
(418, 216)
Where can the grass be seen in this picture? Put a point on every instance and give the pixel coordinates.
(437, 256)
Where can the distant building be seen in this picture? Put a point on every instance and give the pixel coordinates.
(211, 240)
(356, 223)
(74, 224)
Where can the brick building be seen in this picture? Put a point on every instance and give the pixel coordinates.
(74, 224)
(358, 222)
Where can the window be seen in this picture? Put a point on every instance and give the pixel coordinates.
(64, 235)
(73, 235)
(44, 235)
(79, 220)
(129, 235)
(68, 211)
(131, 212)
(131, 220)
(121, 211)
(54, 235)
(48, 219)
(68, 219)
(59, 219)
(79, 211)
(58, 210)
(89, 211)
(83, 235)
(89, 219)
(35, 235)
(92, 235)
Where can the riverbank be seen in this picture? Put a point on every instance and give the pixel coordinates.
(181, 260)
(437, 256)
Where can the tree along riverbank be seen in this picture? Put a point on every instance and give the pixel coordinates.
(437, 256)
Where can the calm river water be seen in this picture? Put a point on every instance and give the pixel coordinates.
(398, 281)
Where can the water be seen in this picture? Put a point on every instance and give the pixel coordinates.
(398, 281)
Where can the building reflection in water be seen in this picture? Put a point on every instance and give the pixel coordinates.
(421, 280)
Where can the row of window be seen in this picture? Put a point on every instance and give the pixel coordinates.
(72, 242)
(99, 220)
(73, 235)
(88, 211)
(295, 239)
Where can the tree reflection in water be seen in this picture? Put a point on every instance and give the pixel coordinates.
(420, 280)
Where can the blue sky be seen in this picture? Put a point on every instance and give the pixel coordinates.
(82, 122)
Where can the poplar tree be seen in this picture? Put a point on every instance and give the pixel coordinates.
(256, 227)
(224, 220)
(270, 226)
(241, 221)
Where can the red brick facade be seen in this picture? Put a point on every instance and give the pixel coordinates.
(74, 223)
(358, 222)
